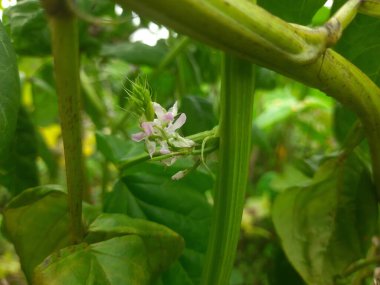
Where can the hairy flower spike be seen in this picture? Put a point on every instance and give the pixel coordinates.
(161, 132)
(141, 99)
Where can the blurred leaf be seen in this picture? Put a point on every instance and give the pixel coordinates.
(322, 15)
(28, 27)
(265, 78)
(312, 220)
(196, 107)
(188, 75)
(9, 92)
(163, 84)
(36, 222)
(135, 53)
(48, 156)
(282, 271)
(360, 43)
(295, 11)
(116, 149)
(18, 169)
(179, 205)
(45, 101)
(344, 119)
(133, 252)
(208, 61)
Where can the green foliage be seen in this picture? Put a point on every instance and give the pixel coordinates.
(28, 28)
(299, 11)
(44, 227)
(9, 92)
(312, 220)
(145, 228)
(135, 53)
(360, 44)
(196, 107)
(115, 245)
(19, 164)
(148, 192)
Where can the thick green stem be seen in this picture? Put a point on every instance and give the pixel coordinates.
(234, 151)
(66, 67)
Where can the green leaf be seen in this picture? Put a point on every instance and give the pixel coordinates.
(18, 169)
(116, 149)
(360, 43)
(9, 92)
(28, 27)
(134, 252)
(328, 224)
(148, 192)
(45, 101)
(135, 53)
(36, 222)
(196, 107)
(295, 11)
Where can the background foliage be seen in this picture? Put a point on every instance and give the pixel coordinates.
(321, 196)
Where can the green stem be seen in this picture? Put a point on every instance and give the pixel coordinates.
(234, 151)
(66, 67)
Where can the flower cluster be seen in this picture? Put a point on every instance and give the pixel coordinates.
(162, 132)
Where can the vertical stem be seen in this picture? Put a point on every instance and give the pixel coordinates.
(66, 67)
(234, 151)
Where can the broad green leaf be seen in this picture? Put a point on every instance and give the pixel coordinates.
(36, 222)
(135, 53)
(295, 11)
(196, 107)
(148, 192)
(121, 251)
(18, 169)
(9, 91)
(28, 27)
(328, 224)
(360, 43)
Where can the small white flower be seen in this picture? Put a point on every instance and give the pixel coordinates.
(162, 131)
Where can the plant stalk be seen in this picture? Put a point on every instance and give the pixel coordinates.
(65, 50)
(236, 108)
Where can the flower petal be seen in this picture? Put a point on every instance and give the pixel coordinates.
(151, 147)
(179, 175)
(147, 127)
(174, 109)
(159, 110)
(169, 161)
(177, 124)
(164, 148)
(138, 137)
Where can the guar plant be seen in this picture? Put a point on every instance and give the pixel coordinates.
(327, 224)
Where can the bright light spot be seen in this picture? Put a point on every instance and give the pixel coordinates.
(118, 10)
(1, 14)
(329, 3)
(8, 3)
(150, 36)
(136, 21)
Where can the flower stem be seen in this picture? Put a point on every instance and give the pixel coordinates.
(234, 151)
(65, 49)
